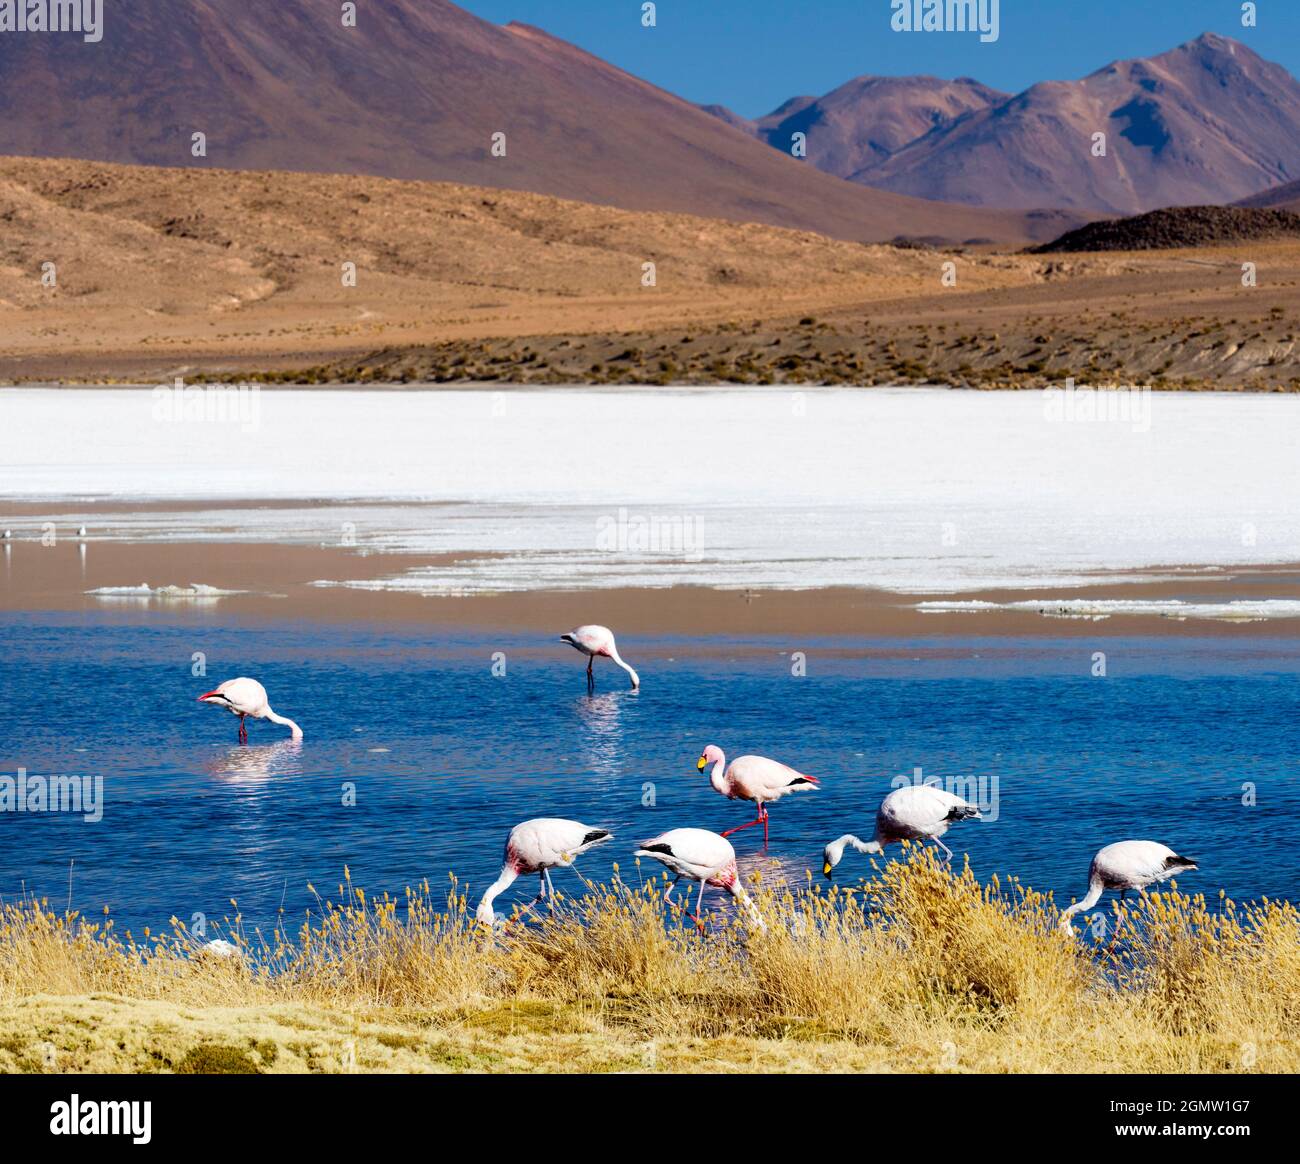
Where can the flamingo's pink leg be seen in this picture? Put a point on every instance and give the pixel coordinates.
(742, 828)
(699, 907)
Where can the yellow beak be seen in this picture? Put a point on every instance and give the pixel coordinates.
(700, 763)
(826, 869)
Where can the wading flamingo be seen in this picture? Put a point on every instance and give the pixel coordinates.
(915, 812)
(753, 778)
(1128, 865)
(699, 855)
(538, 846)
(245, 697)
(597, 642)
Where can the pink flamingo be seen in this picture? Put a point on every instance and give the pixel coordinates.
(699, 855)
(597, 641)
(247, 697)
(914, 812)
(753, 778)
(1128, 865)
(538, 846)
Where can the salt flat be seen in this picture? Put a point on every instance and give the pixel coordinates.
(912, 490)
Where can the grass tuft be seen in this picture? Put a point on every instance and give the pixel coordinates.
(917, 968)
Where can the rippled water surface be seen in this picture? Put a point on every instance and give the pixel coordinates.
(445, 757)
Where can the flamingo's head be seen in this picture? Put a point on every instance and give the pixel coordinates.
(710, 756)
(831, 856)
(484, 914)
(214, 697)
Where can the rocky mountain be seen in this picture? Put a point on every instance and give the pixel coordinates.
(1284, 197)
(1209, 122)
(417, 90)
(869, 119)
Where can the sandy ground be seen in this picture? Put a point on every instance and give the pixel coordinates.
(38, 578)
(161, 273)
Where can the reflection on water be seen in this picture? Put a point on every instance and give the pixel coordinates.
(434, 759)
(602, 737)
(253, 764)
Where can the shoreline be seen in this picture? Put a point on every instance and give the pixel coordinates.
(278, 579)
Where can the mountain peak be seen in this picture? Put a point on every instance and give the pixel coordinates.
(1214, 42)
(1206, 123)
(428, 91)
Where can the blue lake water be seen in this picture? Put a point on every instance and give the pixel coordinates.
(445, 757)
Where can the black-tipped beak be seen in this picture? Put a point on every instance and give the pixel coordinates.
(699, 764)
(828, 871)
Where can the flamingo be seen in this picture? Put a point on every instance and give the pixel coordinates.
(753, 778)
(245, 697)
(699, 855)
(597, 641)
(1128, 865)
(538, 846)
(915, 812)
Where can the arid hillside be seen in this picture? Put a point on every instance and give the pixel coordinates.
(161, 269)
(180, 272)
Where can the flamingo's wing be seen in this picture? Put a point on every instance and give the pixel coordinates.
(755, 777)
(916, 809)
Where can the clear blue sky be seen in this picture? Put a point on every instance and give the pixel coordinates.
(753, 54)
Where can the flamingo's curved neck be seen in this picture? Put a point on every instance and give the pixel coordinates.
(871, 846)
(484, 912)
(746, 903)
(1095, 889)
(718, 777)
(613, 654)
(294, 729)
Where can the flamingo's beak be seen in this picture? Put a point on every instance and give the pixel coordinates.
(209, 695)
(827, 868)
(699, 764)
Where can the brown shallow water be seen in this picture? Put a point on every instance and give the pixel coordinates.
(279, 576)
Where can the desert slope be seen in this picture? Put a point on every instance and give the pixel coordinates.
(417, 91)
(157, 266)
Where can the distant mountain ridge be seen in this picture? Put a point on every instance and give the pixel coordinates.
(869, 119)
(1284, 197)
(417, 90)
(1207, 123)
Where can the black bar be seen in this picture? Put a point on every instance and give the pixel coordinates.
(342, 1111)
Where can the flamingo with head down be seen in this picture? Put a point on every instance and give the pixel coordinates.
(915, 812)
(1128, 865)
(245, 698)
(538, 846)
(699, 855)
(597, 642)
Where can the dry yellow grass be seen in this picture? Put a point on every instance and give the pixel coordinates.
(917, 969)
